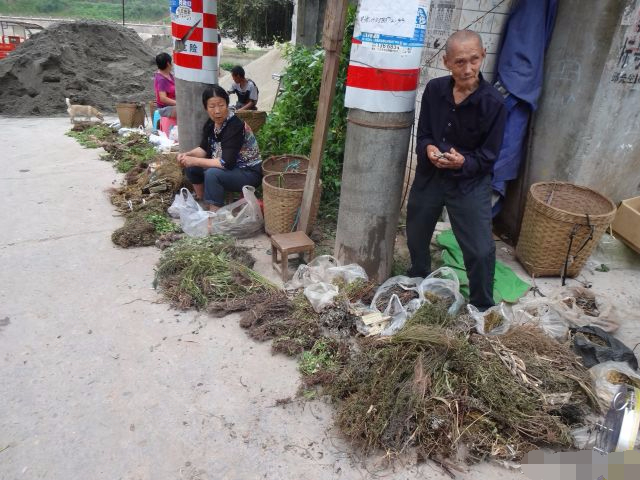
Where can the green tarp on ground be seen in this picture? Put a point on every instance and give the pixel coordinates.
(507, 286)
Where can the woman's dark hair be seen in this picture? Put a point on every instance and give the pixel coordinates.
(214, 91)
(238, 70)
(162, 60)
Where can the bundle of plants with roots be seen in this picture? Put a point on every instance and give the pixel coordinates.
(291, 323)
(456, 396)
(196, 271)
(144, 189)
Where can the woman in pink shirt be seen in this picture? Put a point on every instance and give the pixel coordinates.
(165, 86)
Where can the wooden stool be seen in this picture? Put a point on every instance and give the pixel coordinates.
(286, 243)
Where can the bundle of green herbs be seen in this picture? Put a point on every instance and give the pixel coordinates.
(195, 271)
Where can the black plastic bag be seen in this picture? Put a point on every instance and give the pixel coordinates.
(595, 352)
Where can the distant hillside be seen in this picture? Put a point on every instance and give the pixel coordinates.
(152, 11)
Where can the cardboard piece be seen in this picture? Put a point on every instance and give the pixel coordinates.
(626, 225)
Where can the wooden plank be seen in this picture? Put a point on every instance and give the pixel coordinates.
(334, 20)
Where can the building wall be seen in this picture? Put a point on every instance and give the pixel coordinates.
(587, 129)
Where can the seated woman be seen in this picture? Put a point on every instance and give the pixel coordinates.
(164, 85)
(227, 158)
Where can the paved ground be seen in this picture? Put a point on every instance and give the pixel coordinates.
(100, 380)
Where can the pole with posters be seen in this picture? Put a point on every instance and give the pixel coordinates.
(194, 28)
(382, 79)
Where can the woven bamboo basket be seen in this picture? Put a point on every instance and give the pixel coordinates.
(562, 224)
(285, 163)
(130, 114)
(282, 195)
(254, 118)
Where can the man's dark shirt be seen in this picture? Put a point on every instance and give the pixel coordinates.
(474, 128)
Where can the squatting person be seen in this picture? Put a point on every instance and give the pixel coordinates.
(244, 88)
(460, 129)
(227, 158)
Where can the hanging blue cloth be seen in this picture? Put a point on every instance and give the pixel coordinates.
(519, 78)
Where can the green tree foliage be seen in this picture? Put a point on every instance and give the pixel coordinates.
(263, 21)
(289, 127)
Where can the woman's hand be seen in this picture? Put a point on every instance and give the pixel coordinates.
(186, 160)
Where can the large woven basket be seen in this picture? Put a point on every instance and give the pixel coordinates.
(282, 195)
(254, 118)
(130, 114)
(562, 224)
(285, 163)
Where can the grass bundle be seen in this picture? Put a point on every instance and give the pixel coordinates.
(196, 271)
(453, 395)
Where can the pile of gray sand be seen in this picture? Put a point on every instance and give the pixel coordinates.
(92, 63)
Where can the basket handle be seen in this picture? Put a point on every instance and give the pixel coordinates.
(572, 235)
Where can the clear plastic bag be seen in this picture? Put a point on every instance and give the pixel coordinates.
(313, 272)
(401, 281)
(482, 317)
(240, 219)
(398, 315)
(542, 312)
(320, 295)
(576, 315)
(183, 202)
(607, 378)
(443, 283)
(348, 273)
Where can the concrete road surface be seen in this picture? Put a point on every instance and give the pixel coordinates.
(101, 380)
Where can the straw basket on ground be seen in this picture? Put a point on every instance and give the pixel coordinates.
(285, 163)
(562, 224)
(130, 114)
(282, 195)
(254, 118)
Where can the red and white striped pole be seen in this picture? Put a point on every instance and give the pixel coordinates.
(382, 80)
(194, 28)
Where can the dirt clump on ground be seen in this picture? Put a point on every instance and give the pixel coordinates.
(91, 62)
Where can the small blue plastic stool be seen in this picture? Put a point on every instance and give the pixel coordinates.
(156, 119)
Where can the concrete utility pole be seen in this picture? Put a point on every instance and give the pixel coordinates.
(381, 90)
(195, 37)
(375, 160)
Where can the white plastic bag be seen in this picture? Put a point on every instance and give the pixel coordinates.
(196, 223)
(401, 281)
(398, 315)
(183, 202)
(173, 134)
(313, 272)
(348, 273)
(606, 385)
(481, 317)
(443, 283)
(320, 295)
(543, 312)
(240, 219)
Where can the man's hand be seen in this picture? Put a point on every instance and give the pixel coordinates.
(452, 160)
(434, 155)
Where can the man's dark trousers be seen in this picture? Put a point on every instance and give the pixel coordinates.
(470, 216)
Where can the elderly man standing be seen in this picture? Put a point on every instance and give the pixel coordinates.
(460, 130)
